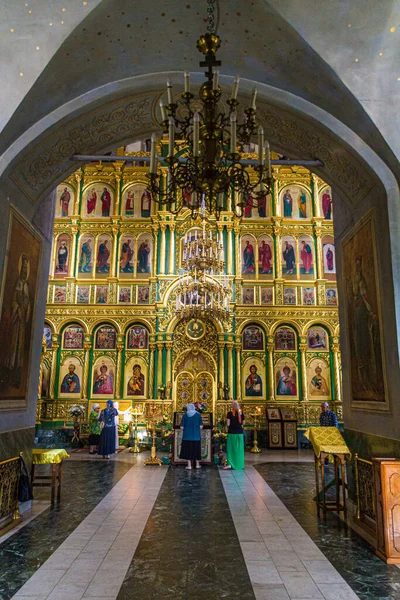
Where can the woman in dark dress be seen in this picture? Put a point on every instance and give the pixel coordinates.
(235, 441)
(191, 425)
(107, 436)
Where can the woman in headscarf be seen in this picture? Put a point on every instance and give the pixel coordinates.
(107, 436)
(94, 429)
(191, 425)
(235, 441)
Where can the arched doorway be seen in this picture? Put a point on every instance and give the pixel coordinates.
(195, 366)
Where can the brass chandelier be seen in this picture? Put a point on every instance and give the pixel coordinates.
(203, 291)
(211, 169)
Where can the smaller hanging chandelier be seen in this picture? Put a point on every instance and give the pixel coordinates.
(213, 138)
(203, 291)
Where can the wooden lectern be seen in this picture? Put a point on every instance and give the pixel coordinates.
(387, 499)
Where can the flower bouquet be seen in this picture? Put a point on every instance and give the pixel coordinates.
(201, 407)
(220, 437)
(76, 411)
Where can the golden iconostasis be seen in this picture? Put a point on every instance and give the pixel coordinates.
(111, 328)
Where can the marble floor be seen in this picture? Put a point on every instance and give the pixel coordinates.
(123, 530)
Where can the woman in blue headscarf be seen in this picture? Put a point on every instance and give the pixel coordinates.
(191, 425)
(107, 436)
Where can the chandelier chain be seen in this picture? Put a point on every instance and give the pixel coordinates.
(211, 8)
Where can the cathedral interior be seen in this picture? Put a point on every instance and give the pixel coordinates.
(218, 239)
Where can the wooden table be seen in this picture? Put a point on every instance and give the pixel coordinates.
(51, 457)
(328, 441)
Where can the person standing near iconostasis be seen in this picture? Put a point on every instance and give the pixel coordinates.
(235, 420)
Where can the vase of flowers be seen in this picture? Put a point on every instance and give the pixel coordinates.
(169, 440)
(77, 412)
(220, 439)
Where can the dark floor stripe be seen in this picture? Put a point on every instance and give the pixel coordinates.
(350, 554)
(189, 548)
(85, 483)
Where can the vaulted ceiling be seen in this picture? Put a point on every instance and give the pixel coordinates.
(342, 58)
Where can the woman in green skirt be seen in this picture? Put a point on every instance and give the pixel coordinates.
(235, 442)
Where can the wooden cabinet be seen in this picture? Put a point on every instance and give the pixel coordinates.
(387, 496)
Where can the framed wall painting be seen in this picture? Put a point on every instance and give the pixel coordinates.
(248, 295)
(106, 338)
(317, 339)
(267, 296)
(63, 251)
(47, 336)
(318, 380)
(86, 250)
(289, 296)
(137, 338)
(97, 201)
(253, 338)
(60, 294)
(136, 378)
(308, 296)
(248, 250)
(285, 339)
(143, 294)
(288, 414)
(65, 201)
(273, 414)
(101, 294)
(83, 294)
(103, 378)
(124, 296)
(144, 255)
(363, 318)
(254, 382)
(331, 296)
(73, 337)
(70, 378)
(18, 302)
(286, 378)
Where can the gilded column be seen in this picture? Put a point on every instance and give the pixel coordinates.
(336, 370)
(55, 344)
(171, 248)
(271, 384)
(317, 207)
(229, 346)
(155, 253)
(276, 199)
(303, 349)
(229, 228)
(163, 228)
(78, 178)
(238, 347)
(278, 265)
(320, 262)
(221, 349)
(152, 349)
(238, 252)
(120, 348)
(118, 166)
(160, 346)
(168, 374)
(114, 253)
(74, 234)
(87, 346)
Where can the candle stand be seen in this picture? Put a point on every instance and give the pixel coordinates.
(135, 447)
(257, 412)
(153, 412)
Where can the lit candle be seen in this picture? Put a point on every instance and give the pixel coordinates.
(215, 80)
(260, 146)
(169, 92)
(196, 133)
(153, 163)
(235, 88)
(187, 82)
(163, 111)
(171, 134)
(268, 157)
(253, 99)
(233, 133)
